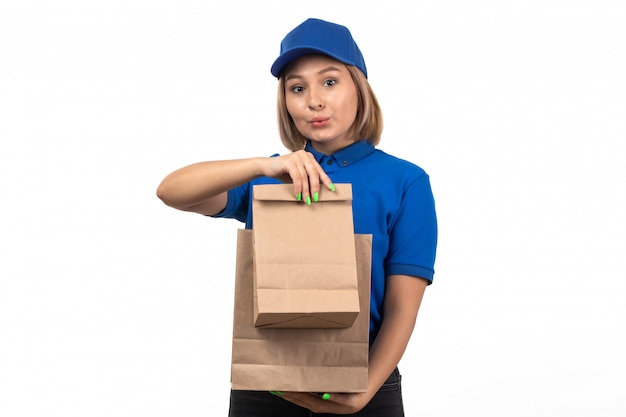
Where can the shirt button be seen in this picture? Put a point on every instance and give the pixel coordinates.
(345, 163)
(329, 162)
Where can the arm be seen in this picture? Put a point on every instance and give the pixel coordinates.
(403, 297)
(202, 187)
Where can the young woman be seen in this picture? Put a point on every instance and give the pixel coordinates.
(331, 121)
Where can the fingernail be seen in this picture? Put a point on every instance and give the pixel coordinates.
(316, 196)
(277, 393)
(326, 397)
(332, 187)
(299, 196)
(308, 200)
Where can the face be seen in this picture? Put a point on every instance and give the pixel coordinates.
(322, 100)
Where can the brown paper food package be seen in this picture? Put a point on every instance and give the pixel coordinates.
(304, 259)
(305, 360)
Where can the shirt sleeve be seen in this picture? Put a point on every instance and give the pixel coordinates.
(237, 205)
(413, 233)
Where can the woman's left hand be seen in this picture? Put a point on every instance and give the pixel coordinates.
(335, 404)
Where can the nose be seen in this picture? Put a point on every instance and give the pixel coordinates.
(316, 101)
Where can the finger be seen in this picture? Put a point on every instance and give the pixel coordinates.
(314, 182)
(316, 176)
(320, 176)
(325, 179)
(304, 184)
(296, 174)
(300, 177)
(306, 400)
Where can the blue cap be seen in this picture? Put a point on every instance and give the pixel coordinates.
(315, 36)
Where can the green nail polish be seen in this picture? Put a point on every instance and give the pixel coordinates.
(277, 393)
(326, 396)
(316, 197)
(299, 196)
(332, 187)
(308, 200)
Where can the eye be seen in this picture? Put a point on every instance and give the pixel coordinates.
(330, 82)
(297, 89)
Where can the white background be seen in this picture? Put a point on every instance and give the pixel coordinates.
(112, 304)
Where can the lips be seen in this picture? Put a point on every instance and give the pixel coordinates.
(319, 121)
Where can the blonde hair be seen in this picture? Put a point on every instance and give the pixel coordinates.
(368, 123)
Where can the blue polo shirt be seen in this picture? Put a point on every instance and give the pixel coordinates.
(391, 199)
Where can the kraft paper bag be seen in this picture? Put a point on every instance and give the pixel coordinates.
(304, 360)
(305, 273)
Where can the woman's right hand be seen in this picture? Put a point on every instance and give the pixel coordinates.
(202, 187)
(302, 170)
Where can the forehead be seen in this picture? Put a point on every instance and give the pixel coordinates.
(312, 63)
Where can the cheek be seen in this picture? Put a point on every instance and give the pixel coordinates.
(292, 108)
(350, 108)
(350, 103)
(297, 115)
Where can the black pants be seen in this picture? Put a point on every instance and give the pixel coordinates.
(386, 403)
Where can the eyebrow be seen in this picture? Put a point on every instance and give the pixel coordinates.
(322, 71)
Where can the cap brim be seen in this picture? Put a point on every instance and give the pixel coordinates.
(286, 57)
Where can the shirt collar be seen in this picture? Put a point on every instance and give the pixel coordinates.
(346, 156)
